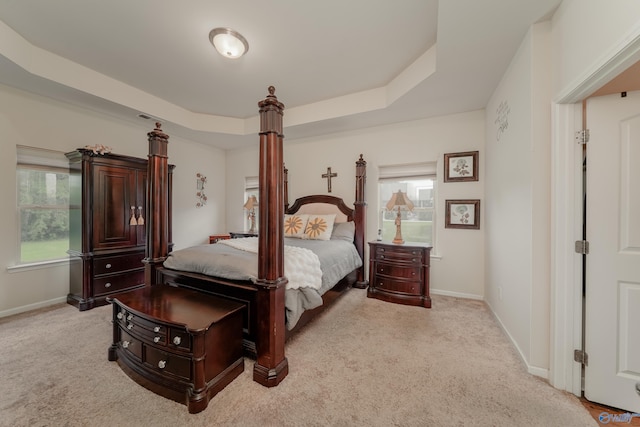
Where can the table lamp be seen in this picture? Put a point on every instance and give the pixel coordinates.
(251, 205)
(399, 200)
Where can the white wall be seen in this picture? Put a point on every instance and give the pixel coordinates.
(587, 34)
(460, 270)
(27, 119)
(518, 193)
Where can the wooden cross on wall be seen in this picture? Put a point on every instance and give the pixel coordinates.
(329, 175)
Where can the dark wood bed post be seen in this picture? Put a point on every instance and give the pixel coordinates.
(157, 207)
(271, 365)
(361, 215)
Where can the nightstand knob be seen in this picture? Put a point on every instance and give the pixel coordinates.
(381, 256)
(125, 344)
(120, 315)
(107, 266)
(130, 316)
(156, 339)
(156, 329)
(177, 340)
(162, 364)
(130, 326)
(107, 285)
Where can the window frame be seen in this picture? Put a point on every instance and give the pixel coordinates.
(47, 161)
(410, 172)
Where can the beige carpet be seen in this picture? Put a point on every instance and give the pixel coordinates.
(363, 363)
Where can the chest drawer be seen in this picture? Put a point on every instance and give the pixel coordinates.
(117, 282)
(115, 264)
(167, 363)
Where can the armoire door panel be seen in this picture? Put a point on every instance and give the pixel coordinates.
(114, 194)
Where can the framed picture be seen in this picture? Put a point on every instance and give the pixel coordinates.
(462, 214)
(461, 166)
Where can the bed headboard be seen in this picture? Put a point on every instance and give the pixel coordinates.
(323, 204)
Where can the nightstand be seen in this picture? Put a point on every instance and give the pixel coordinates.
(399, 273)
(215, 237)
(239, 234)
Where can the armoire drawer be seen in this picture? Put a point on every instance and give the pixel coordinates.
(117, 282)
(115, 264)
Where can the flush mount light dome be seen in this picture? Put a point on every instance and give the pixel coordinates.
(228, 43)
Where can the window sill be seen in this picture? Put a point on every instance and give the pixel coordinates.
(38, 265)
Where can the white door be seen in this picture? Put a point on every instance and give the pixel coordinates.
(612, 305)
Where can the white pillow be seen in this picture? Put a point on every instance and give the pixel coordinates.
(343, 231)
(319, 227)
(294, 225)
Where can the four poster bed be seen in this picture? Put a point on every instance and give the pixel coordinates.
(274, 309)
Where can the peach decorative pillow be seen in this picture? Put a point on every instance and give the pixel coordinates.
(294, 225)
(319, 227)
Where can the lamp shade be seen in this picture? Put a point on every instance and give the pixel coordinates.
(251, 203)
(399, 199)
(228, 43)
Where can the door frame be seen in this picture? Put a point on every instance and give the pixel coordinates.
(567, 215)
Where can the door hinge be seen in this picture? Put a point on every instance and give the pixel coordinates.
(582, 136)
(582, 247)
(581, 357)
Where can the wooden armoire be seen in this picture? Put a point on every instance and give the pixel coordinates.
(107, 224)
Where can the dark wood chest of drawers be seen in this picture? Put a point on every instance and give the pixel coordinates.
(178, 343)
(399, 273)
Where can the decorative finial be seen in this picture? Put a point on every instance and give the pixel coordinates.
(272, 90)
(158, 126)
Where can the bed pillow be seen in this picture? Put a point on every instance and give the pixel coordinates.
(343, 231)
(319, 227)
(294, 225)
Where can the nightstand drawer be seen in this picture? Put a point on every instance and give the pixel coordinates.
(396, 285)
(399, 254)
(400, 271)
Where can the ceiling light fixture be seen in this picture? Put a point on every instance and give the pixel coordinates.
(228, 43)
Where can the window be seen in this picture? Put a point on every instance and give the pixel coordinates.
(43, 205)
(418, 181)
(251, 189)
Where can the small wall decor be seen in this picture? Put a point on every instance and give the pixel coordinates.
(502, 119)
(462, 214)
(461, 166)
(329, 175)
(201, 180)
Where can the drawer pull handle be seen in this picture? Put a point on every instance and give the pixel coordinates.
(130, 326)
(156, 329)
(156, 339)
(177, 340)
(130, 316)
(125, 344)
(107, 285)
(120, 316)
(415, 259)
(162, 364)
(381, 256)
(381, 270)
(107, 266)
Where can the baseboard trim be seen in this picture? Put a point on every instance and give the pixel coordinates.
(456, 294)
(34, 306)
(533, 370)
